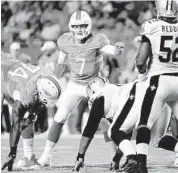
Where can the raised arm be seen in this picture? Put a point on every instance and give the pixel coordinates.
(143, 54)
(116, 49)
(60, 66)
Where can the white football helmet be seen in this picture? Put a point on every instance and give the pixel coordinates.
(94, 88)
(80, 18)
(48, 90)
(167, 8)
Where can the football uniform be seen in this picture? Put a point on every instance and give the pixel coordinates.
(159, 90)
(163, 37)
(120, 105)
(17, 76)
(162, 78)
(110, 105)
(84, 59)
(85, 62)
(128, 102)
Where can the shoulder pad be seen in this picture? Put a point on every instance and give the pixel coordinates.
(101, 40)
(63, 40)
(149, 26)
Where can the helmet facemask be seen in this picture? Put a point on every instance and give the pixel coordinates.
(167, 8)
(80, 24)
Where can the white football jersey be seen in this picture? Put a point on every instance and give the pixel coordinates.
(163, 37)
(109, 91)
(115, 98)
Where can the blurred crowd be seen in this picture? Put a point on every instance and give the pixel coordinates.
(33, 22)
(30, 29)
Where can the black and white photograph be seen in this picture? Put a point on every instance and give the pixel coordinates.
(89, 86)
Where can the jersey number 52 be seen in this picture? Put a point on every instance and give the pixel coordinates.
(172, 55)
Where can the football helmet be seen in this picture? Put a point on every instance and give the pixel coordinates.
(77, 19)
(48, 90)
(94, 88)
(167, 8)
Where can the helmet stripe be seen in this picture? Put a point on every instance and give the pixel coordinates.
(78, 15)
(167, 4)
(171, 4)
(56, 83)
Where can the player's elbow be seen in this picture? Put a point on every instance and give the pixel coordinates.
(141, 65)
(89, 133)
(141, 68)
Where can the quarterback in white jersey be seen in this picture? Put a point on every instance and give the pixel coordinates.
(115, 103)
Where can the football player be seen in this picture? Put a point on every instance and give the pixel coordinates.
(27, 88)
(108, 101)
(159, 41)
(83, 51)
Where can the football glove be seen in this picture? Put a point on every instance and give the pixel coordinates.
(9, 162)
(119, 48)
(78, 164)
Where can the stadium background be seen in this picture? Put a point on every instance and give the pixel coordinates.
(32, 23)
(29, 21)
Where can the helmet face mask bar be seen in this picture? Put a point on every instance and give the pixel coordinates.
(167, 8)
(80, 24)
(48, 90)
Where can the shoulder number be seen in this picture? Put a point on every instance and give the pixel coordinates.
(171, 54)
(20, 71)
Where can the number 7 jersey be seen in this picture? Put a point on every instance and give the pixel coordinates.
(85, 60)
(163, 37)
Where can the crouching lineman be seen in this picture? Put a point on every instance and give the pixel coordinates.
(161, 85)
(28, 89)
(109, 100)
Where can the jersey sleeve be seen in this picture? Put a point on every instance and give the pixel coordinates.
(104, 40)
(29, 92)
(148, 27)
(62, 41)
(96, 113)
(101, 40)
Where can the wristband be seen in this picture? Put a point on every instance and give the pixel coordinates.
(13, 151)
(80, 156)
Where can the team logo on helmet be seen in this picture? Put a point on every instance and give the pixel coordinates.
(80, 24)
